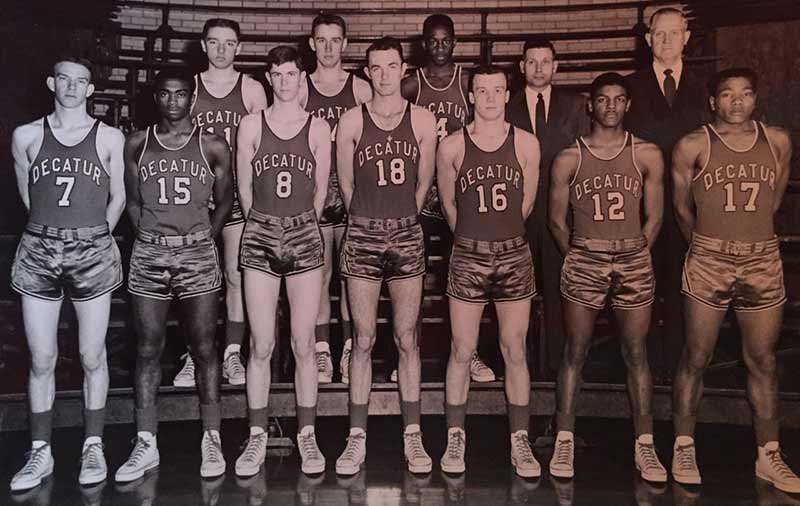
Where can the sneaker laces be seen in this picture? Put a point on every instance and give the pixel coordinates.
(523, 447)
(188, 366)
(686, 458)
(353, 442)
(455, 444)
(563, 451)
(322, 360)
(414, 442)
(775, 458)
(36, 458)
(234, 364)
(91, 454)
(253, 445)
(308, 446)
(478, 364)
(647, 453)
(141, 445)
(211, 446)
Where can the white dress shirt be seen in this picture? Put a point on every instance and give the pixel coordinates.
(659, 69)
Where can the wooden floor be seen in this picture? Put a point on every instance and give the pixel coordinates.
(605, 474)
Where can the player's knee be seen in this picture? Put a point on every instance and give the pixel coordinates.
(761, 362)
(303, 349)
(261, 350)
(93, 360)
(697, 361)
(407, 342)
(461, 353)
(204, 351)
(43, 363)
(513, 354)
(575, 353)
(634, 356)
(364, 343)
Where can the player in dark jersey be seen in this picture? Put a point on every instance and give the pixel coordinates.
(729, 178)
(440, 86)
(173, 169)
(223, 97)
(327, 93)
(70, 177)
(283, 161)
(607, 179)
(385, 153)
(488, 173)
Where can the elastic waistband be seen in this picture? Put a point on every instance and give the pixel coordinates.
(67, 234)
(490, 246)
(735, 248)
(174, 240)
(309, 216)
(609, 245)
(384, 223)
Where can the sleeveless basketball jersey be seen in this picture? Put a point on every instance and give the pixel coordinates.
(331, 109)
(606, 193)
(220, 116)
(448, 104)
(283, 172)
(68, 185)
(734, 193)
(489, 192)
(175, 186)
(385, 166)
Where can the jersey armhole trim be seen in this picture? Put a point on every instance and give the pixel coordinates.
(261, 124)
(708, 157)
(203, 153)
(97, 125)
(420, 77)
(41, 144)
(144, 146)
(633, 158)
(580, 162)
(769, 143)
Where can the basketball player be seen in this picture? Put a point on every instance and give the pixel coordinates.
(327, 93)
(729, 178)
(222, 98)
(70, 177)
(607, 179)
(385, 153)
(283, 162)
(439, 86)
(488, 174)
(173, 168)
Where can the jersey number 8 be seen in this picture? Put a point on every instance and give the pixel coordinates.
(283, 184)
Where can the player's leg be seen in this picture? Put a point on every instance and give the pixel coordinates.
(465, 323)
(513, 319)
(40, 318)
(232, 368)
(344, 312)
(149, 321)
(304, 291)
(322, 332)
(93, 318)
(702, 330)
(406, 296)
(633, 327)
(261, 292)
(363, 295)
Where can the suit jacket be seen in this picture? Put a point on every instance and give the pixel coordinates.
(651, 118)
(566, 120)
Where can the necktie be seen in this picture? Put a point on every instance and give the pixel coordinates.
(540, 119)
(669, 87)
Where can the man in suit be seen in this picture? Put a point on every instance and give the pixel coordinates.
(556, 117)
(667, 102)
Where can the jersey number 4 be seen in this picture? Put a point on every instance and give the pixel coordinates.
(615, 211)
(181, 188)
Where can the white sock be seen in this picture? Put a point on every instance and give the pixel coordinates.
(684, 440)
(322, 347)
(255, 431)
(232, 348)
(354, 431)
(91, 440)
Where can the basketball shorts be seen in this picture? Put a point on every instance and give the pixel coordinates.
(378, 249)
(596, 271)
(182, 266)
(84, 262)
(498, 271)
(281, 246)
(236, 217)
(333, 214)
(747, 275)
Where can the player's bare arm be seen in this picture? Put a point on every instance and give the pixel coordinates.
(253, 94)
(423, 123)
(348, 132)
(362, 90)
(25, 142)
(110, 146)
(320, 144)
(449, 158)
(689, 155)
(563, 171)
(651, 164)
(782, 146)
(409, 87)
(527, 148)
(218, 155)
(134, 145)
(247, 143)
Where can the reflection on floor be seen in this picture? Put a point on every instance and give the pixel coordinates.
(605, 474)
